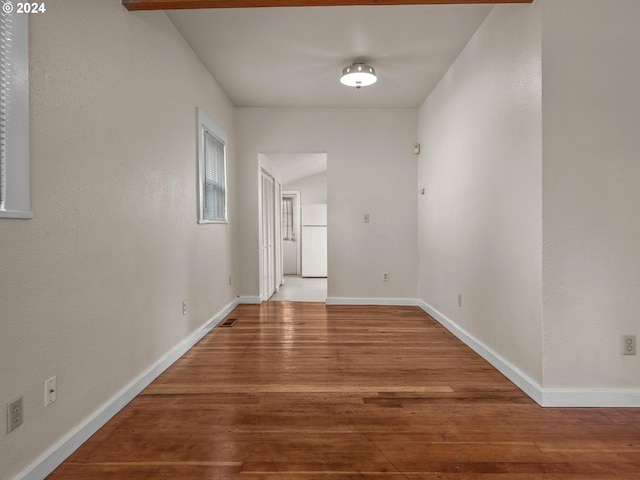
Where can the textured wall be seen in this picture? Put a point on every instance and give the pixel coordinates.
(591, 113)
(91, 289)
(480, 219)
(371, 169)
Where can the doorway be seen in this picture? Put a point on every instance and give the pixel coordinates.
(303, 181)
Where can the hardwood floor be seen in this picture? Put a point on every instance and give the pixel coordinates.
(308, 391)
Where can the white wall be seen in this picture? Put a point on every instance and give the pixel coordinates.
(92, 288)
(371, 169)
(480, 220)
(313, 189)
(591, 185)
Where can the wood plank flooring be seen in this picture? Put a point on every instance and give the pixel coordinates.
(307, 391)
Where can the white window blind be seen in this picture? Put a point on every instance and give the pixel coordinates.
(214, 179)
(213, 170)
(14, 117)
(287, 218)
(5, 60)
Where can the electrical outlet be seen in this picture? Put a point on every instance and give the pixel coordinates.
(184, 307)
(50, 391)
(14, 414)
(629, 345)
(367, 218)
(385, 277)
(459, 300)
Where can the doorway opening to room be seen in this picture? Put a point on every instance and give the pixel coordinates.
(293, 227)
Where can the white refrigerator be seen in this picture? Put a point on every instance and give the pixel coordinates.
(314, 240)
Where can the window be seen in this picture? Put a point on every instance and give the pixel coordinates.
(14, 117)
(287, 219)
(212, 154)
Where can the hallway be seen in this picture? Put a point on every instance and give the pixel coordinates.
(301, 391)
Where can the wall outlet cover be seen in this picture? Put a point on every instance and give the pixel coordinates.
(15, 414)
(629, 345)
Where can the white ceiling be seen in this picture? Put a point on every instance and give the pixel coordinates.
(296, 166)
(293, 57)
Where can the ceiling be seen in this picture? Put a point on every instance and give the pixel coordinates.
(292, 57)
(292, 167)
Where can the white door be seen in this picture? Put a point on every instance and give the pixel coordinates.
(267, 235)
(291, 232)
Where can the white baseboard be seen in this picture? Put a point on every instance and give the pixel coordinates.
(603, 398)
(249, 300)
(546, 397)
(410, 302)
(521, 379)
(50, 460)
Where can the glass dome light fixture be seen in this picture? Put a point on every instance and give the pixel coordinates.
(358, 75)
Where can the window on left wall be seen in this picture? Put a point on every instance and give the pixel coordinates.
(14, 117)
(212, 160)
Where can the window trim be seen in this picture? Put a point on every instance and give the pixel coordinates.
(205, 124)
(14, 115)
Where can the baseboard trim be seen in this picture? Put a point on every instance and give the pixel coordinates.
(410, 302)
(573, 397)
(249, 300)
(521, 379)
(51, 459)
(546, 397)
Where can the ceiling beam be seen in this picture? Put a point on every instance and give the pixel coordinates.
(191, 4)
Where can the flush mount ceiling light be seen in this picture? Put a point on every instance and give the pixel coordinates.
(358, 75)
